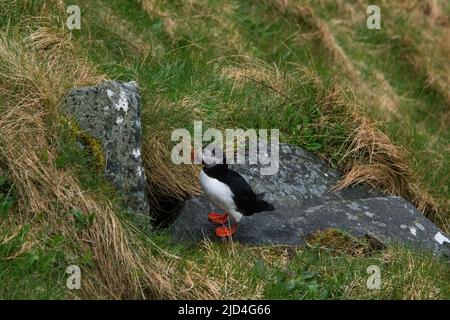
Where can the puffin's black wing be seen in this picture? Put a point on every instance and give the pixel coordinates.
(246, 200)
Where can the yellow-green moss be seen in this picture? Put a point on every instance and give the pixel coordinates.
(95, 147)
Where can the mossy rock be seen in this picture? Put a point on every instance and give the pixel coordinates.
(107, 118)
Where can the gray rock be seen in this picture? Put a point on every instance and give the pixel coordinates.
(304, 203)
(111, 113)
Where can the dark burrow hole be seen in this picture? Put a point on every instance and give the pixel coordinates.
(165, 211)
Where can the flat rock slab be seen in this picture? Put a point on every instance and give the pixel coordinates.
(111, 113)
(304, 204)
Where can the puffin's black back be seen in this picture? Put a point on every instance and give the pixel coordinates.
(246, 200)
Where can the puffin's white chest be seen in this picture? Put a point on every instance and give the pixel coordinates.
(217, 192)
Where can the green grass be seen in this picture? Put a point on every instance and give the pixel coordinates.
(33, 266)
(190, 71)
(189, 66)
(7, 196)
(324, 269)
(181, 80)
(36, 273)
(418, 126)
(317, 274)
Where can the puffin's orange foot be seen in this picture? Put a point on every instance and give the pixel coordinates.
(223, 231)
(218, 218)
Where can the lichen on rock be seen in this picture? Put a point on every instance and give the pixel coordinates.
(94, 145)
(305, 202)
(108, 118)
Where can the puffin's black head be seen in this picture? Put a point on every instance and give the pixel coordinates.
(210, 156)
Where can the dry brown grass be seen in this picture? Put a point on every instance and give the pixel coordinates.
(340, 243)
(427, 22)
(368, 156)
(34, 75)
(410, 278)
(378, 93)
(152, 7)
(165, 180)
(256, 71)
(427, 56)
(234, 263)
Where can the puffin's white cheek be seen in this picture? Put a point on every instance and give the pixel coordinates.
(209, 160)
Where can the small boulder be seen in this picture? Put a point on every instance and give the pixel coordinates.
(304, 203)
(111, 113)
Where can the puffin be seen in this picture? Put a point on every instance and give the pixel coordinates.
(227, 190)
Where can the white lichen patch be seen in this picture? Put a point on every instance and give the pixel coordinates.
(136, 153)
(440, 238)
(110, 93)
(131, 84)
(313, 209)
(380, 224)
(139, 171)
(413, 231)
(369, 214)
(403, 226)
(354, 206)
(119, 120)
(420, 226)
(105, 108)
(122, 103)
(351, 216)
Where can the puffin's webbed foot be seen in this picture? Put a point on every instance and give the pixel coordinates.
(224, 231)
(218, 218)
